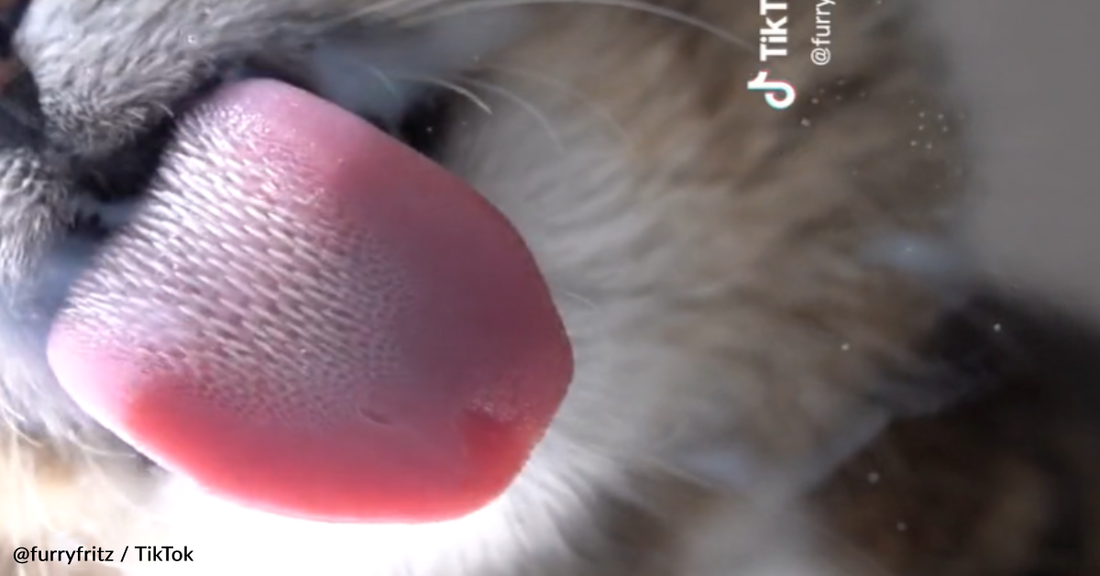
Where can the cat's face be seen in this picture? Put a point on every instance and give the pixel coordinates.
(679, 225)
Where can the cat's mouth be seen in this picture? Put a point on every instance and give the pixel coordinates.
(307, 316)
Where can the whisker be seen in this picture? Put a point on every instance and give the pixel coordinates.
(449, 86)
(92, 450)
(600, 111)
(404, 6)
(386, 83)
(475, 5)
(588, 303)
(385, 80)
(11, 421)
(528, 106)
(351, 15)
(114, 491)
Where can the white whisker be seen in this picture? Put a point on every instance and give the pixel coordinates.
(114, 491)
(475, 5)
(385, 80)
(449, 86)
(92, 450)
(600, 111)
(9, 420)
(528, 106)
(388, 84)
(373, 9)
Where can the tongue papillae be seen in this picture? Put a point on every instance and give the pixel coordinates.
(309, 318)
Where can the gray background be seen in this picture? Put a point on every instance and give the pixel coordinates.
(1032, 71)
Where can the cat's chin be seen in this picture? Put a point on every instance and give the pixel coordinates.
(348, 333)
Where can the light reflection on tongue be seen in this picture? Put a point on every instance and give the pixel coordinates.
(311, 319)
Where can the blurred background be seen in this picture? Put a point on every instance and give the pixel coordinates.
(1032, 70)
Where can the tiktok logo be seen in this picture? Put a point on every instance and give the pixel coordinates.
(773, 45)
(777, 93)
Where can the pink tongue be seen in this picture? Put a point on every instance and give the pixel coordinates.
(310, 318)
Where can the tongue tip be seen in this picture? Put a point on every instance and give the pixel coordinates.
(284, 470)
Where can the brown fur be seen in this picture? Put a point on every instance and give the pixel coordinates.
(1004, 484)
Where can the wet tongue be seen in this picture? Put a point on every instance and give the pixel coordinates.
(309, 318)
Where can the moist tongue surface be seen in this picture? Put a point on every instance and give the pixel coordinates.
(309, 318)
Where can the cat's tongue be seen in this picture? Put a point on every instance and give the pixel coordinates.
(309, 318)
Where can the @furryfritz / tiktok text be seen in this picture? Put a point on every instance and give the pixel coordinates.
(143, 553)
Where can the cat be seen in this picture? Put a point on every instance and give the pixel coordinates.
(754, 297)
